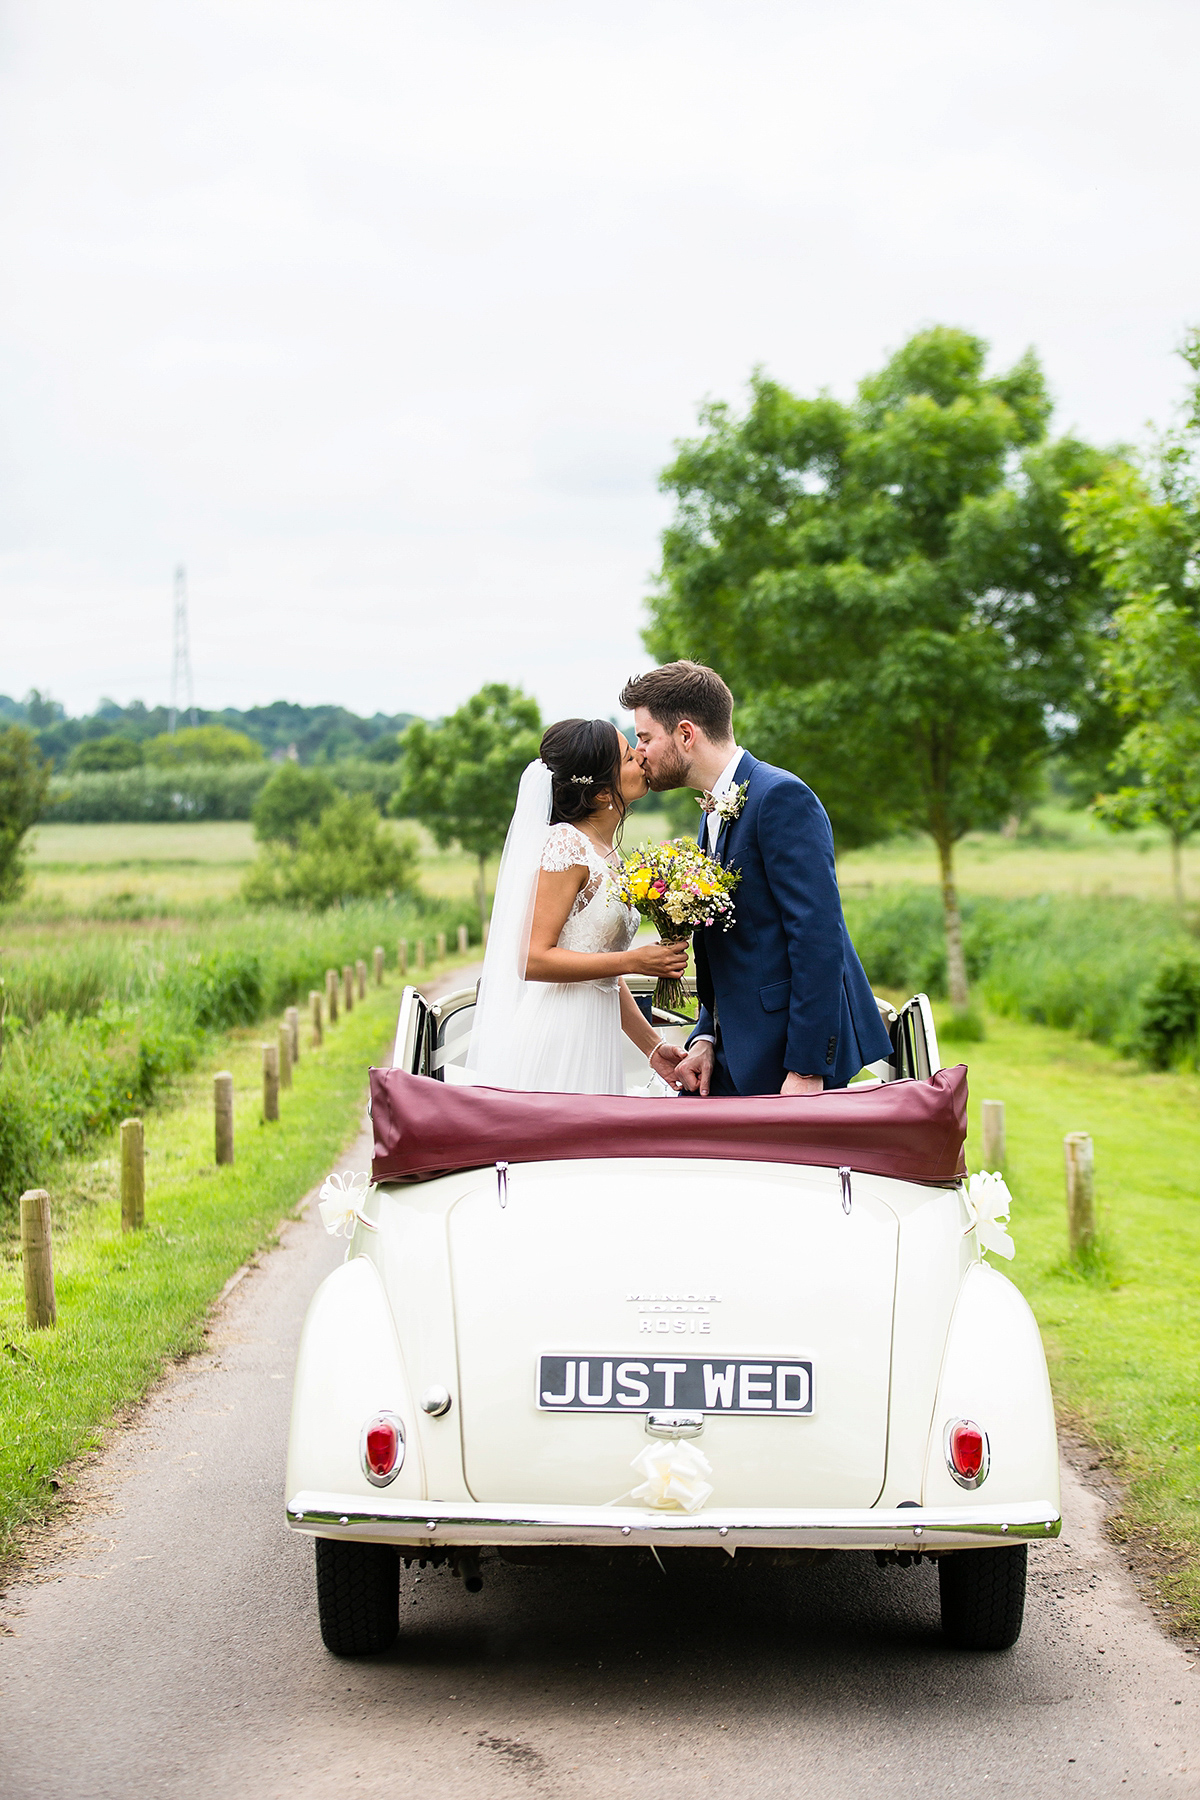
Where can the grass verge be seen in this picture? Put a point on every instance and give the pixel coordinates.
(129, 1302)
(1121, 1336)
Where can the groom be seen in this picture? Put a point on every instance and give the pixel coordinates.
(785, 1007)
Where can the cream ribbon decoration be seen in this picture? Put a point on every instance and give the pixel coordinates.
(988, 1202)
(340, 1199)
(674, 1476)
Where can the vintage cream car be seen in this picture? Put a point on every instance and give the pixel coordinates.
(641, 1324)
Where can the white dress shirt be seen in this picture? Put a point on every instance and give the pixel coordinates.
(722, 786)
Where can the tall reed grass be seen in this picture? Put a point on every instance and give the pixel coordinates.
(97, 1025)
(1119, 970)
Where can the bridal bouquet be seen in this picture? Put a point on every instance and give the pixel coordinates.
(676, 886)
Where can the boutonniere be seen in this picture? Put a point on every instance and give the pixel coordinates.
(728, 807)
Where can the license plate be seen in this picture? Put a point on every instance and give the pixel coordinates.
(732, 1384)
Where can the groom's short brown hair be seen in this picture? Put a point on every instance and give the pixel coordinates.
(683, 690)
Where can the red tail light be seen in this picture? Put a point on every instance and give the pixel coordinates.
(382, 1448)
(967, 1452)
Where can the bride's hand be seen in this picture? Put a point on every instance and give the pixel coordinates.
(660, 959)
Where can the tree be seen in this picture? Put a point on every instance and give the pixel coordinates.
(202, 744)
(349, 854)
(291, 798)
(461, 776)
(888, 587)
(103, 755)
(24, 780)
(1141, 528)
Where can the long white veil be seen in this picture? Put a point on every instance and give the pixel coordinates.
(490, 1055)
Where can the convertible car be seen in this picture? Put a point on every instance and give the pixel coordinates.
(592, 1325)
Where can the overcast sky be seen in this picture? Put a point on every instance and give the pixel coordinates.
(383, 317)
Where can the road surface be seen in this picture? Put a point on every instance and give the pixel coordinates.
(166, 1644)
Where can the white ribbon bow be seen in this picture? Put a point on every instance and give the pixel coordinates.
(674, 1472)
(988, 1201)
(340, 1199)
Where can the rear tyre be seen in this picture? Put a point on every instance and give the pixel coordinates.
(358, 1596)
(983, 1597)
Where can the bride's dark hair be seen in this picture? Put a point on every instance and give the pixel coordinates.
(584, 757)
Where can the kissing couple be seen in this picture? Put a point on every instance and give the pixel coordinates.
(785, 1007)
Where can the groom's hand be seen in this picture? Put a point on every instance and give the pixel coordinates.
(665, 1059)
(802, 1084)
(694, 1073)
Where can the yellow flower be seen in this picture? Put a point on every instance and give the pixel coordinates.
(639, 884)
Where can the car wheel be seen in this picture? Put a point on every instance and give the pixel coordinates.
(983, 1597)
(358, 1596)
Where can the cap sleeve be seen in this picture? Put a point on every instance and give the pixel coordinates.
(565, 848)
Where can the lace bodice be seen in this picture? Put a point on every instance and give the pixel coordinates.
(596, 922)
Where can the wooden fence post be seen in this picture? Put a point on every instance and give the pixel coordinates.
(441, 946)
(133, 1175)
(378, 965)
(994, 1154)
(487, 926)
(402, 956)
(348, 986)
(331, 995)
(270, 1055)
(360, 970)
(314, 1007)
(1081, 1192)
(292, 1015)
(464, 942)
(223, 1115)
(285, 1055)
(40, 1309)
(420, 954)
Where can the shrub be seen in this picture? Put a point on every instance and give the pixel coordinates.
(292, 797)
(24, 777)
(105, 754)
(195, 791)
(202, 744)
(1168, 1029)
(347, 855)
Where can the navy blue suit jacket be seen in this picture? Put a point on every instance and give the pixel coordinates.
(783, 988)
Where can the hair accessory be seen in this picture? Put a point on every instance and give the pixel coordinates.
(583, 780)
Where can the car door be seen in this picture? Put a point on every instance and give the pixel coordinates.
(412, 1034)
(914, 1039)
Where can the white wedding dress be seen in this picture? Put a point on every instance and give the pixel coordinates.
(566, 1036)
(560, 1037)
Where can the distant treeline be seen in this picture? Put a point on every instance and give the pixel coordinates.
(313, 734)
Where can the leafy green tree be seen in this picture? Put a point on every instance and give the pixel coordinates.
(888, 587)
(461, 776)
(349, 854)
(293, 797)
(202, 744)
(103, 755)
(24, 780)
(1141, 528)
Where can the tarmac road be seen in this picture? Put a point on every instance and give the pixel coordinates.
(167, 1644)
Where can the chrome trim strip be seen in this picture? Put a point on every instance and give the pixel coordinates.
(400, 1521)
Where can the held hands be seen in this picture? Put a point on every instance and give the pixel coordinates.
(694, 1072)
(660, 959)
(664, 1060)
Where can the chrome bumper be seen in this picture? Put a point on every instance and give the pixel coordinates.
(469, 1523)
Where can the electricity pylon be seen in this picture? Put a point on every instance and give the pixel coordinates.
(181, 663)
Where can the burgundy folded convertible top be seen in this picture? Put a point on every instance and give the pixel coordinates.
(913, 1130)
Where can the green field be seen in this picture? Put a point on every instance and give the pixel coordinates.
(81, 867)
(142, 909)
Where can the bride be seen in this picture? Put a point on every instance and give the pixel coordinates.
(552, 1004)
